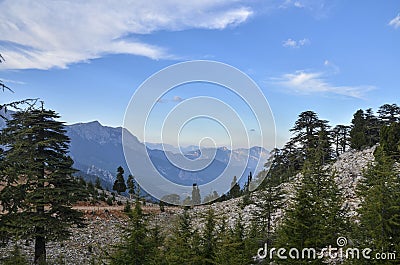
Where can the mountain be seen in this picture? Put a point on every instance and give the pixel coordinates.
(97, 150)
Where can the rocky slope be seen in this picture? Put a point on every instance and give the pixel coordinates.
(105, 227)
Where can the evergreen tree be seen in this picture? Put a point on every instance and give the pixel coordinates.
(269, 200)
(183, 246)
(379, 226)
(130, 183)
(315, 219)
(373, 126)
(97, 184)
(119, 184)
(390, 140)
(358, 139)
(307, 130)
(389, 113)
(231, 249)
(324, 144)
(209, 239)
(39, 187)
(364, 130)
(341, 138)
(235, 189)
(136, 248)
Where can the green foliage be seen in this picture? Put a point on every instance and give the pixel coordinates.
(39, 187)
(231, 248)
(137, 247)
(235, 191)
(357, 133)
(364, 130)
(109, 201)
(379, 226)
(209, 239)
(341, 139)
(389, 113)
(183, 246)
(127, 208)
(97, 184)
(390, 140)
(15, 258)
(269, 200)
(130, 183)
(119, 184)
(315, 219)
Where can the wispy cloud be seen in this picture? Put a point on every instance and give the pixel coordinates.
(290, 43)
(395, 22)
(307, 83)
(290, 3)
(12, 81)
(44, 34)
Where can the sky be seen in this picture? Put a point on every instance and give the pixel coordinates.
(87, 59)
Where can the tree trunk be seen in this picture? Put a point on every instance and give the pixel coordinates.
(40, 241)
(40, 247)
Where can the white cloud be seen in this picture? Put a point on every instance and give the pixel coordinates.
(289, 43)
(12, 81)
(44, 34)
(395, 22)
(314, 82)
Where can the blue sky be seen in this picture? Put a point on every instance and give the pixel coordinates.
(86, 60)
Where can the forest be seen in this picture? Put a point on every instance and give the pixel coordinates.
(39, 190)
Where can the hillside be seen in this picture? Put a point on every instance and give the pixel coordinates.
(105, 222)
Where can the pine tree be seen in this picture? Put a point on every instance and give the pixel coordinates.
(389, 113)
(379, 214)
(183, 246)
(119, 184)
(373, 127)
(97, 184)
(307, 131)
(364, 130)
(390, 140)
(39, 187)
(235, 189)
(315, 219)
(209, 238)
(358, 139)
(269, 200)
(130, 183)
(341, 138)
(231, 249)
(136, 248)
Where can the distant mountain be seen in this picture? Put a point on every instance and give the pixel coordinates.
(171, 148)
(97, 152)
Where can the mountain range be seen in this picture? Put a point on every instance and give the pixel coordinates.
(97, 152)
